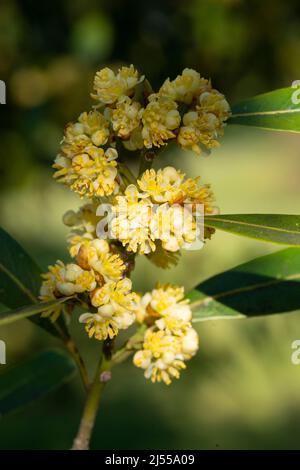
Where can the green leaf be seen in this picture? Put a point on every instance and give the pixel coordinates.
(274, 110)
(27, 382)
(276, 228)
(266, 285)
(20, 281)
(19, 276)
(25, 312)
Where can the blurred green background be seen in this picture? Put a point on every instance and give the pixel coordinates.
(241, 391)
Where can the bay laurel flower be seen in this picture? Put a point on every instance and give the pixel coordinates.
(185, 87)
(110, 87)
(160, 118)
(212, 101)
(126, 117)
(164, 207)
(171, 185)
(204, 120)
(91, 129)
(203, 125)
(189, 343)
(96, 255)
(65, 280)
(199, 129)
(181, 200)
(175, 226)
(92, 173)
(131, 222)
(166, 301)
(85, 219)
(116, 305)
(163, 355)
(83, 223)
(163, 185)
(160, 357)
(170, 339)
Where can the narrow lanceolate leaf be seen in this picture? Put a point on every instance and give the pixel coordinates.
(25, 383)
(266, 285)
(19, 275)
(20, 280)
(277, 110)
(276, 228)
(26, 312)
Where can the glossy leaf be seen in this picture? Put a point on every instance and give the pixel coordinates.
(276, 228)
(26, 312)
(277, 110)
(27, 382)
(20, 280)
(266, 285)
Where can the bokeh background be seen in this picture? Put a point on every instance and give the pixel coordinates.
(241, 391)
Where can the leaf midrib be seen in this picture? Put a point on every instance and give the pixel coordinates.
(22, 313)
(265, 113)
(250, 224)
(17, 281)
(239, 290)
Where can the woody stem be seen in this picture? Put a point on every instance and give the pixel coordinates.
(102, 376)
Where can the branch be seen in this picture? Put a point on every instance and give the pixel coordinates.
(102, 376)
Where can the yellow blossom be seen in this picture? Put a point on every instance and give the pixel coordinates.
(91, 173)
(175, 226)
(170, 338)
(198, 129)
(214, 102)
(96, 255)
(65, 280)
(166, 301)
(170, 185)
(116, 309)
(163, 185)
(160, 118)
(131, 223)
(84, 220)
(204, 124)
(109, 87)
(84, 223)
(160, 357)
(126, 117)
(185, 87)
(91, 129)
(180, 200)
(189, 343)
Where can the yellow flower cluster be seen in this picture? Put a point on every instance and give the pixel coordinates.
(84, 223)
(155, 214)
(207, 110)
(169, 339)
(160, 119)
(83, 163)
(110, 87)
(160, 208)
(87, 160)
(116, 306)
(64, 280)
(100, 273)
